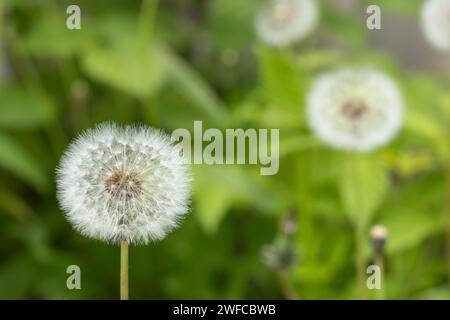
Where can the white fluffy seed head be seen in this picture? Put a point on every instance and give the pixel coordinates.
(286, 21)
(123, 184)
(355, 109)
(436, 23)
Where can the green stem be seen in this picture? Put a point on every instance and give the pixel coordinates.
(380, 263)
(359, 233)
(123, 271)
(2, 26)
(360, 261)
(288, 291)
(447, 231)
(447, 216)
(147, 20)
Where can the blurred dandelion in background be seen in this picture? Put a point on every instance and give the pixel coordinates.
(123, 185)
(282, 22)
(355, 109)
(436, 23)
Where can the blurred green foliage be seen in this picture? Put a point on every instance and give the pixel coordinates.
(170, 63)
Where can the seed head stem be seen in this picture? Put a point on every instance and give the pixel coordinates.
(124, 271)
(359, 235)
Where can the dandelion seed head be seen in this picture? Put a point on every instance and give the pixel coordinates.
(355, 109)
(123, 184)
(436, 23)
(286, 21)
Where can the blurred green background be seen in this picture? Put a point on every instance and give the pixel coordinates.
(169, 63)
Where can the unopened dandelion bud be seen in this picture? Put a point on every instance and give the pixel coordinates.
(379, 235)
(289, 224)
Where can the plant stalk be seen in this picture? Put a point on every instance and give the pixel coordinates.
(288, 291)
(123, 271)
(447, 210)
(360, 261)
(378, 259)
(147, 20)
(359, 233)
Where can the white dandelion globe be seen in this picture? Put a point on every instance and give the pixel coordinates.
(355, 109)
(436, 23)
(285, 21)
(123, 184)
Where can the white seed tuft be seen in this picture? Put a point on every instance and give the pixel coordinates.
(355, 109)
(123, 184)
(286, 21)
(436, 23)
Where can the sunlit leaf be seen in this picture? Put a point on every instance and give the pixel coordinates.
(218, 188)
(344, 27)
(295, 143)
(413, 213)
(282, 82)
(363, 184)
(130, 69)
(231, 22)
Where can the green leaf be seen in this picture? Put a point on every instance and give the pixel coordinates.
(21, 108)
(212, 195)
(49, 36)
(424, 115)
(363, 185)
(16, 277)
(413, 213)
(344, 27)
(316, 60)
(229, 22)
(421, 124)
(17, 160)
(218, 188)
(195, 88)
(123, 58)
(128, 68)
(14, 205)
(445, 105)
(297, 143)
(282, 85)
(408, 227)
